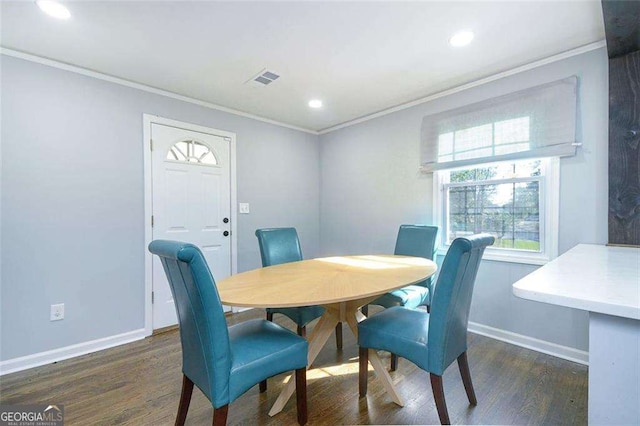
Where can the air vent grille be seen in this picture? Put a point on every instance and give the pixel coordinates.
(263, 78)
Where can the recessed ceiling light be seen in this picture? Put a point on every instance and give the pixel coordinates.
(315, 103)
(53, 8)
(461, 38)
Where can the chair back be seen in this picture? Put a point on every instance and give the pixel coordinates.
(278, 245)
(206, 358)
(416, 240)
(419, 241)
(449, 318)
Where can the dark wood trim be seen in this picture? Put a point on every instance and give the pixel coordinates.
(463, 365)
(438, 395)
(220, 415)
(622, 26)
(301, 395)
(624, 149)
(185, 400)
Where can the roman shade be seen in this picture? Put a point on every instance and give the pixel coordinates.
(533, 123)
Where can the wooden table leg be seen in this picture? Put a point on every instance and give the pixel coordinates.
(376, 362)
(349, 313)
(317, 339)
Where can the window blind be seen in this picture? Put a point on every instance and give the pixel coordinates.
(532, 123)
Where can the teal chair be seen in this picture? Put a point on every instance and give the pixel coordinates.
(432, 340)
(418, 241)
(281, 245)
(223, 362)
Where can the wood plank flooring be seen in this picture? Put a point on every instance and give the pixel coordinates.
(139, 384)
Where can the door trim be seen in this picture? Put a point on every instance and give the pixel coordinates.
(148, 120)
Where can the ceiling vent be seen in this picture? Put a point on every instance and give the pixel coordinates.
(263, 78)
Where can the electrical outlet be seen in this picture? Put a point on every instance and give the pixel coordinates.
(57, 312)
(244, 208)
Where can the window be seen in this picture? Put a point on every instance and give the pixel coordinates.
(496, 166)
(191, 151)
(516, 202)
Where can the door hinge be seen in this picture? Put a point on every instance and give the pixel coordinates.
(152, 297)
(152, 221)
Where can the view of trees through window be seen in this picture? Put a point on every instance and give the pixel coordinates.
(502, 199)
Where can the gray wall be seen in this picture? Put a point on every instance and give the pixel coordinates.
(72, 200)
(370, 185)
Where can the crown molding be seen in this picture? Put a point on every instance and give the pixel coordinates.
(143, 87)
(476, 83)
(466, 86)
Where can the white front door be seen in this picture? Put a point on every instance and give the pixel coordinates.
(191, 202)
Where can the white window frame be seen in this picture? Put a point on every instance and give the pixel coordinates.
(549, 216)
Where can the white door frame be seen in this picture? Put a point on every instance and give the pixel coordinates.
(147, 120)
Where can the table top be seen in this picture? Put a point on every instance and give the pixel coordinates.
(595, 278)
(323, 281)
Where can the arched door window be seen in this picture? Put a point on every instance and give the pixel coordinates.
(192, 151)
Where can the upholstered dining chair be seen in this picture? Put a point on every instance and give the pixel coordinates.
(281, 245)
(412, 240)
(431, 340)
(223, 362)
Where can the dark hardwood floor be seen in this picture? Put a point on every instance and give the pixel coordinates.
(139, 384)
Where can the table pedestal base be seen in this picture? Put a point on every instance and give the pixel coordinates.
(338, 312)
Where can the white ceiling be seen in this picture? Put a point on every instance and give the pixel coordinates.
(358, 57)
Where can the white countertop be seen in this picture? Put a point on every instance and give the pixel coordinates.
(590, 277)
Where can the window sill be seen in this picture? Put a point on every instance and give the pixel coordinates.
(509, 257)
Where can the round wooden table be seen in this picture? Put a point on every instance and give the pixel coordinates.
(341, 284)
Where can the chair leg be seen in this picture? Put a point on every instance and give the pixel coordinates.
(339, 336)
(301, 395)
(185, 399)
(220, 415)
(463, 365)
(363, 370)
(394, 362)
(263, 384)
(438, 395)
(302, 331)
(365, 310)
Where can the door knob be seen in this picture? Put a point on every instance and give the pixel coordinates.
(225, 233)
(225, 220)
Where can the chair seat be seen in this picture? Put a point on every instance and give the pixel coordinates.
(261, 349)
(301, 316)
(399, 330)
(411, 297)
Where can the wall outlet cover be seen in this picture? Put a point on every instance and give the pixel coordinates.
(243, 208)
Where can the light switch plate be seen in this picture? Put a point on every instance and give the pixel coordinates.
(57, 312)
(243, 208)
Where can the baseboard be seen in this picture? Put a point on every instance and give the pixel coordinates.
(72, 351)
(553, 349)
